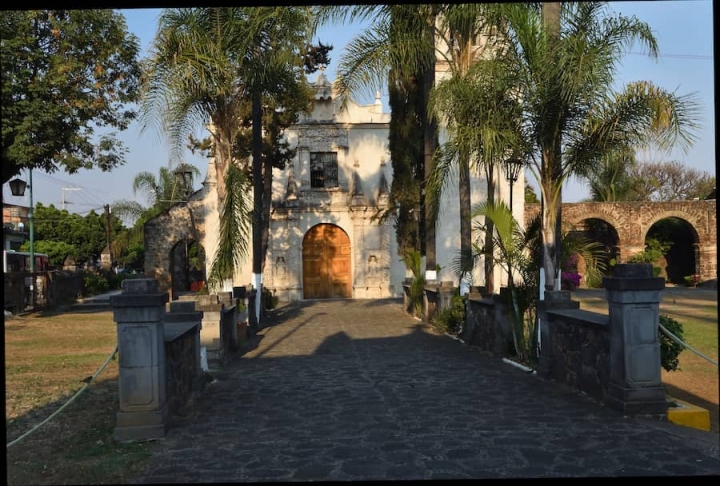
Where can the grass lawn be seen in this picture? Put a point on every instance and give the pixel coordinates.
(696, 380)
(47, 357)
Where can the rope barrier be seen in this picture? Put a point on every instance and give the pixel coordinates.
(677, 340)
(92, 378)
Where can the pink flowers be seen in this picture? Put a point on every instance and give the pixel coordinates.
(571, 278)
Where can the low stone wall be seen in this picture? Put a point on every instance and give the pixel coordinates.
(183, 374)
(614, 358)
(159, 367)
(487, 325)
(223, 324)
(437, 297)
(580, 345)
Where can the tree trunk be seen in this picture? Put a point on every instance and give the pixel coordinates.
(466, 261)
(266, 207)
(551, 208)
(430, 146)
(257, 219)
(489, 247)
(551, 172)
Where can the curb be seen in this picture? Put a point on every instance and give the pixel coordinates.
(688, 415)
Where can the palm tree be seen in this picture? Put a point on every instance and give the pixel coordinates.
(208, 66)
(561, 79)
(398, 48)
(161, 192)
(466, 30)
(519, 254)
(609, 180)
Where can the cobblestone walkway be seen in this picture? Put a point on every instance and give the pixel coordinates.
(358, 390)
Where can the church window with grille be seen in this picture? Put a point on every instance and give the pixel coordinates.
(323, 169)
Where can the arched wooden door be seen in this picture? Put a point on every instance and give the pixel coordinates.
(326, 263)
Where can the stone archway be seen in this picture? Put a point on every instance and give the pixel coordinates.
(187, 263)
(632, 221)
(326, 263)
(681, 259)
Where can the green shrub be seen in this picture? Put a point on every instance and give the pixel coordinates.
(669, 349)
(452, 319)
(271, 300)
(94, 284)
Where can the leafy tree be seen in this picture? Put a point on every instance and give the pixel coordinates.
(459, 28)
(64, 74)
(86, 235)
(477, 142)
(405, 142)
(610, 179)
(667, 181)
(57, 251)
(530, 195)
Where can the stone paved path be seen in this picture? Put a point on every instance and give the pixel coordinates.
(357, 390)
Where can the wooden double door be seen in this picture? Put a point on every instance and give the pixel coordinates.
(326, 263)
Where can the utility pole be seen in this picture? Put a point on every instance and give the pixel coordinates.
(107, 232)
(63, 194)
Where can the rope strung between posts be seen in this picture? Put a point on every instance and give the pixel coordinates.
(87, 384)
(677, 340)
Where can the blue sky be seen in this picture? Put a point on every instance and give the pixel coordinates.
(683, 28)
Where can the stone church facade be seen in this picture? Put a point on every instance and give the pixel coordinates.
(325, 238)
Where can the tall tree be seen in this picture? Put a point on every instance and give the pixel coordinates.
(211, 67)
(609, 178)
(563, 74)
(465, 33)
(64, 74)
(400, 41)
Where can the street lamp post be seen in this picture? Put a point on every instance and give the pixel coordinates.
(17, 187)
(512, 168)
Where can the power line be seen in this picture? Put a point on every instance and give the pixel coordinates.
(699, 57)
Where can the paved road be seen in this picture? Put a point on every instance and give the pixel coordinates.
(357, 390)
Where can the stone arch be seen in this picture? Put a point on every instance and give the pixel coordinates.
(327, 258)
(632, 220)
(682, 259)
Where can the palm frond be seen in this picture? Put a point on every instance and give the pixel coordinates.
(235, 217)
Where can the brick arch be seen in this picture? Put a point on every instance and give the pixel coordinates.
(632, 221)
(656, 218)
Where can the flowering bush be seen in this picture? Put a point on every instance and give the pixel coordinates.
(571, 279)
(692, 280)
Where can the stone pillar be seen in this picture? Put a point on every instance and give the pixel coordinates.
(633, 296)
(139, 313)
(554, 300)
(445, 295)
(430, 301)
(210, 334)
